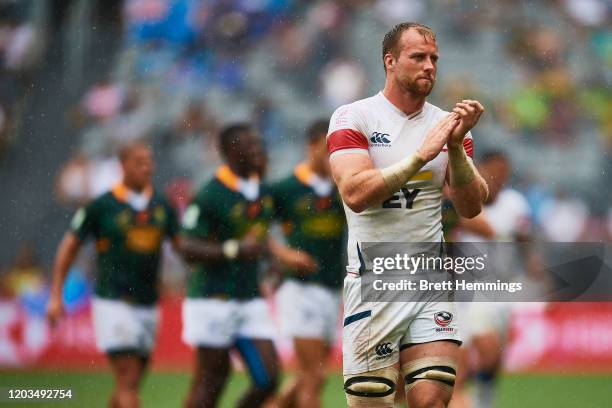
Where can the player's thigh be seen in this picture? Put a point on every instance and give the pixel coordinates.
(488, 347)
(211, 368)
(128, 368)
(370, 346)
(119, 326)
(429, 371)
(210, 323)
(311, 355)
(429, 354)
(442, 348)
(433, 321)
(371, 331)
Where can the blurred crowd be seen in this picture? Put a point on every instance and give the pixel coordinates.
(186, 67)
(21, 47)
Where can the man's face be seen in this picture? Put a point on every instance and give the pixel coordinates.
(138, 167)
(248, 155)
(415, 66)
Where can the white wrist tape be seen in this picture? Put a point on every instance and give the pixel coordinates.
(230, 248)
(462, 170)
(398, 174)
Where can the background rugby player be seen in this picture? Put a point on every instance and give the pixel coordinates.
(308, 205)
(128, 224)
(505, 217)
(226, 238)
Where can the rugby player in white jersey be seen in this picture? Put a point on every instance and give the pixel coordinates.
(484, 325)
(390, 156)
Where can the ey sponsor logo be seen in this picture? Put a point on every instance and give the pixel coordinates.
(380, 139)
(443, 319)
(383, 350)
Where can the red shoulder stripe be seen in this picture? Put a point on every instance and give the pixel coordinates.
(346, 139)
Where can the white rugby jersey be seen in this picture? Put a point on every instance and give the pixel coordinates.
(376, 127)
(509, 216)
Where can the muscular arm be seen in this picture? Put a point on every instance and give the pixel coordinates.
(467, 188)
(361, 185)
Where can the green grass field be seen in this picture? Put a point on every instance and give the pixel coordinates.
(90, 389)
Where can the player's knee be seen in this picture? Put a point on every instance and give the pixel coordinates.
(438, 371)
(202, 394)
(428, 400)
(373, 389)
(316, 382)
(130, 382)
(490, 362)
(127, 398)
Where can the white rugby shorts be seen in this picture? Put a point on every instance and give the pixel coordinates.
(218, 323)
(374, 333)
(121, 326)
(308, 310)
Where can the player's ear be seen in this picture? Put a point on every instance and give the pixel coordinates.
(389, 62)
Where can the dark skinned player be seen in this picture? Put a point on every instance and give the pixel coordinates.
(226, 240)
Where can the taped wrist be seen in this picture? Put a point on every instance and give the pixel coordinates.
(462, 171)
(398, 174)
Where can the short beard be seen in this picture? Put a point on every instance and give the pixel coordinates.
(414, 89)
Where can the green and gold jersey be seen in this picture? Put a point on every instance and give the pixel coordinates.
(128, 243)
(218, 213)
(314, 224)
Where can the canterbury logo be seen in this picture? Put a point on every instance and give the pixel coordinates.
(384, 349)
(380, 138)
